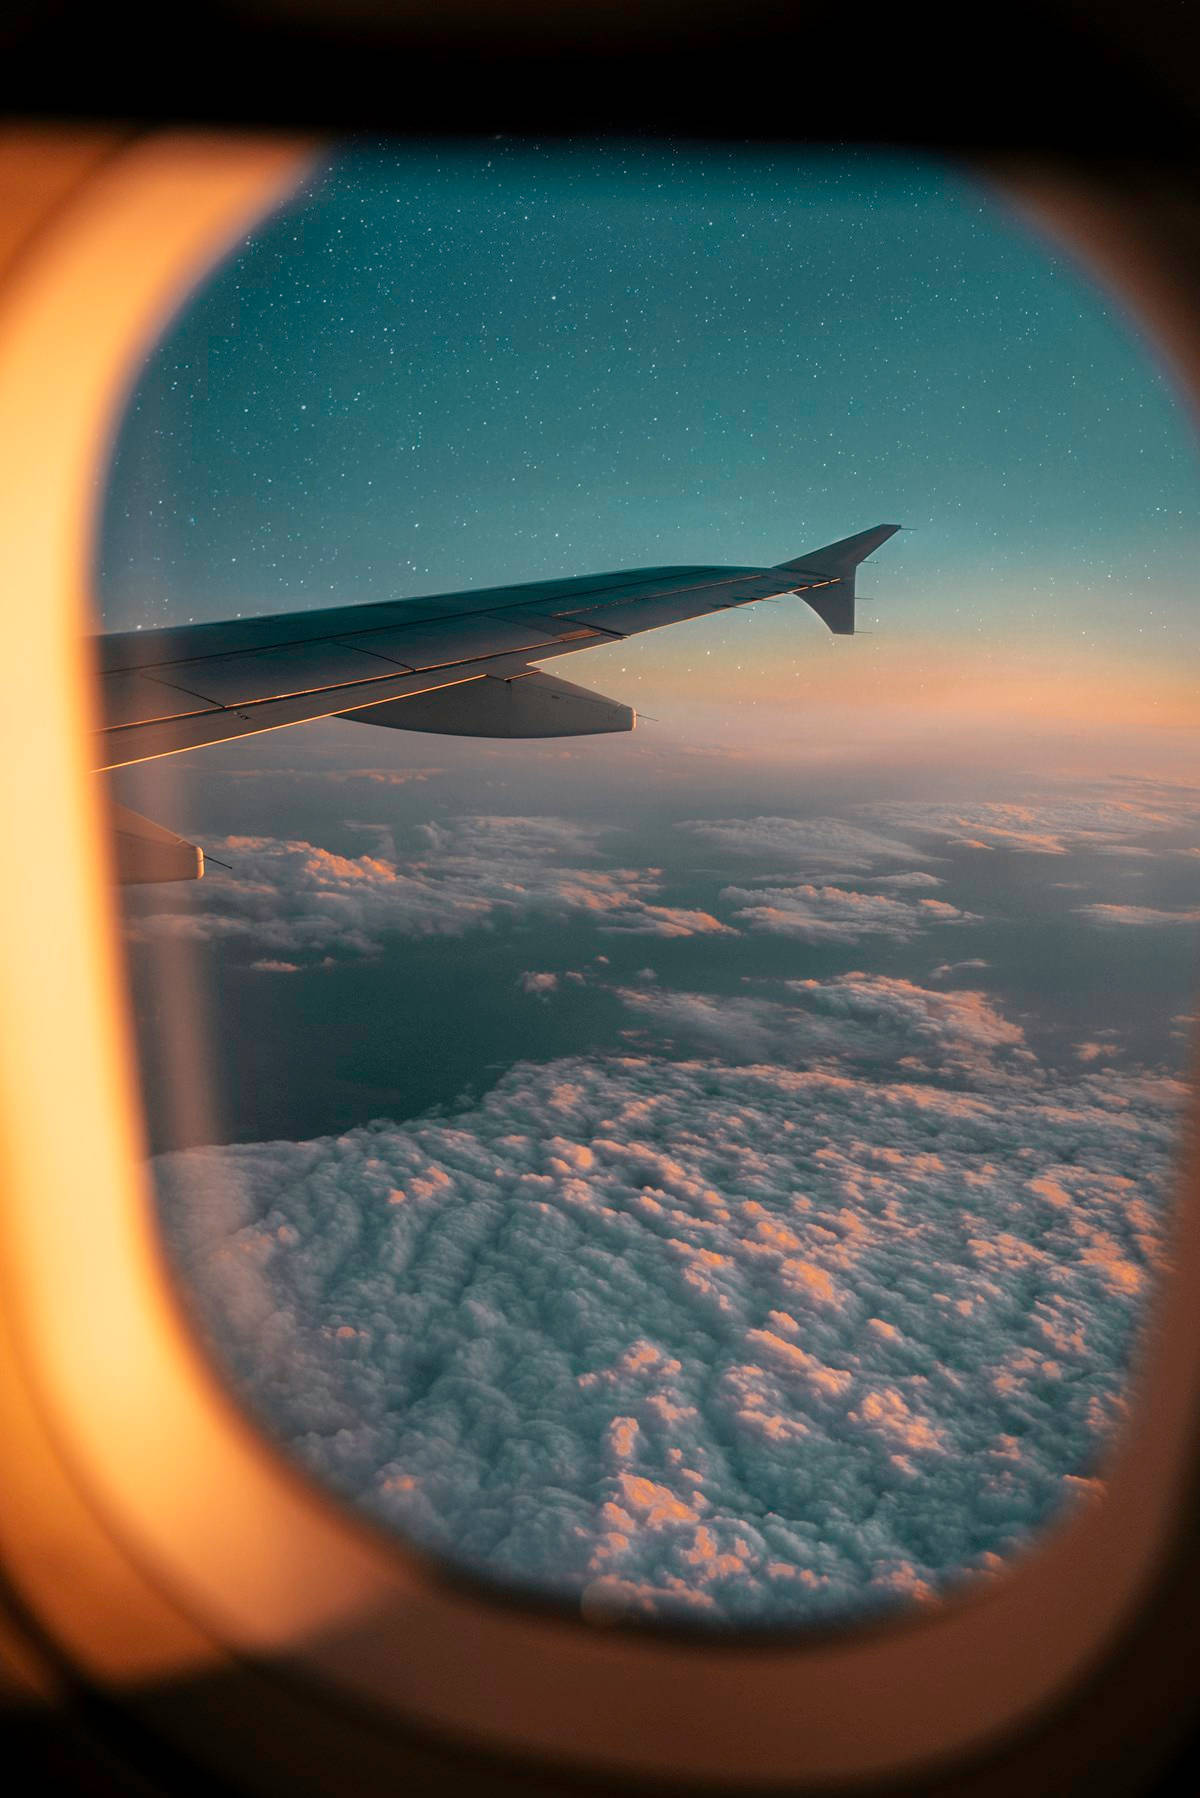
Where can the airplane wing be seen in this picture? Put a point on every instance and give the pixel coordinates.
(459, 663)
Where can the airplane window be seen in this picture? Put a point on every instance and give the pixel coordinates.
(714, 1173)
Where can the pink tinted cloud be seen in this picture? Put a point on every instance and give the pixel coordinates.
(790, 1342)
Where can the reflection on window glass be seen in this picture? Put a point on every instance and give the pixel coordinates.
(714, 1173)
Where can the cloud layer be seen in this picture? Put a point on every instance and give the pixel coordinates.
(1137, 917)
(292, 897)
(819, 1297)
(1106, 819)
(818, 914)
(818, 843)
(803, 1326)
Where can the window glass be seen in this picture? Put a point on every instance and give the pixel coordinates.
(713, 1173)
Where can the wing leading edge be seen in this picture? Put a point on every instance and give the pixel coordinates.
(168, 691)
(457, 663)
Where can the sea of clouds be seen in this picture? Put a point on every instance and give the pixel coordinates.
(465, 873)
(826, 1306)
(293, 903)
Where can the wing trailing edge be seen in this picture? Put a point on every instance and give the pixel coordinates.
(529, 703)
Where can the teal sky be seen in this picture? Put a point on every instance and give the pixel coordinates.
(440, 369)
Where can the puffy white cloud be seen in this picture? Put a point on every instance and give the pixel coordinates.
(815, 914)
(293, 897)
(540, 986)
(688, 1337)
(1137, 917)
(831, 843)
(955, 1024)
(874, 1020)
(901, 882)
(735, 1026)
(1105, 819)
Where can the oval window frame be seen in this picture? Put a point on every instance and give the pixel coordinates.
(148, 1526)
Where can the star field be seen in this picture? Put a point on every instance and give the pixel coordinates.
(498, 362)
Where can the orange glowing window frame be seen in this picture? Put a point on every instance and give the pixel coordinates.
(142, 1520)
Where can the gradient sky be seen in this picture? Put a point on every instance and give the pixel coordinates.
(440, 370)
(717, 1172)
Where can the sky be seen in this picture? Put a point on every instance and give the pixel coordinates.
(516, 363)
(716, 1173)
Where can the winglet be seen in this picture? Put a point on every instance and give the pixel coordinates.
(826, 575)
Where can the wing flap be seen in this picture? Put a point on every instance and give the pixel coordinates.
(174, 692)
(530, 703)
(119, 748)
(184, 688)
(458, 640)
(278, 673)
(139, 699)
